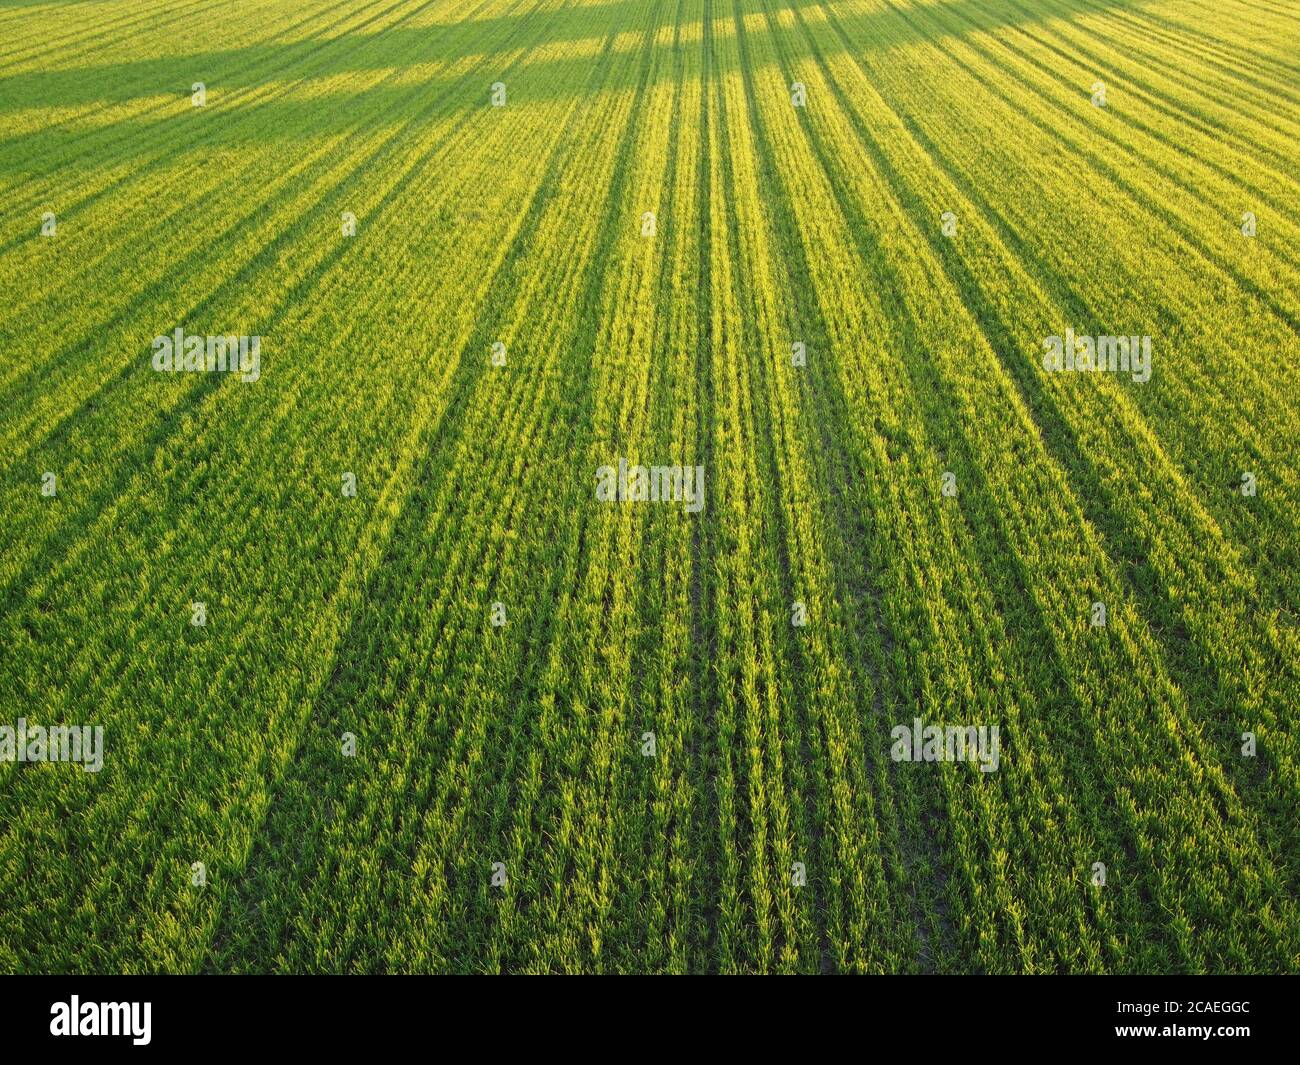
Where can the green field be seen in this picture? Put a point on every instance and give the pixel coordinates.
(387, 683)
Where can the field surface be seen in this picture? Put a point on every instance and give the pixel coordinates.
(385, 684)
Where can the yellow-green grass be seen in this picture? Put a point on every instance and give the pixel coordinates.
(770, 830)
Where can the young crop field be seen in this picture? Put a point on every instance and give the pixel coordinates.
(649, 486)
